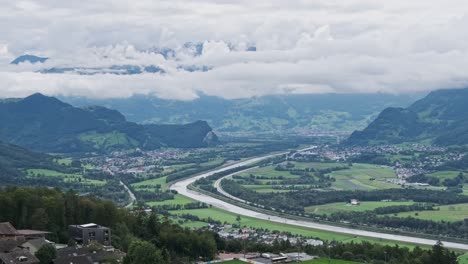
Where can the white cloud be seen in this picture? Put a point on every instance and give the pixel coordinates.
(302, 46)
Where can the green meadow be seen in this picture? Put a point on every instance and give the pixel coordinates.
(344, 207)
(451, 213)
(65, 176)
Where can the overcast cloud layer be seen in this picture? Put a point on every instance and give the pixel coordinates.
(397, 46)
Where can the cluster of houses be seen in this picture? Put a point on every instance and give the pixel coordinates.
(261, 236)
(122, 162)
(265, 258)
(21, 246)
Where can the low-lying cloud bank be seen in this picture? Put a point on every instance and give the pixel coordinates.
(236, 50)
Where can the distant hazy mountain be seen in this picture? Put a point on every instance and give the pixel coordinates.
(277, 113)
(28, 58)
(440, 118)
(114, 69)
(45, 123)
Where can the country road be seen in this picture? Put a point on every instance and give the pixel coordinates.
(181, 188)
(130, 193)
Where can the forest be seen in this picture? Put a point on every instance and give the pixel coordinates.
(52, 210)
(152, 238)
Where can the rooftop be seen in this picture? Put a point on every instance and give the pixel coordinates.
(19, 256)
(90, 225)
(7, 229)
(29, 232)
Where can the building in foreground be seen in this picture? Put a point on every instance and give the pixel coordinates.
(84, 234)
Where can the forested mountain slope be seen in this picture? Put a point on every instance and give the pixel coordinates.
(47, 124)
(441, 118)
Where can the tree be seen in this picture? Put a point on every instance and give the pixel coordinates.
(46, 254)
(71, 243)
(40, 219)
(94, 246)
(238, 219)
(440, 255)
(142, 252)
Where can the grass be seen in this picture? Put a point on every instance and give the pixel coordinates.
(217, 162)
(65, 176)
(343, 207)
(223, 216)
(463, 259)
(64, 161)
(442, 175)
(318, 165)
(450, 213)
(329, 261)
(228, 217)
(178, 199)
(465, 189)
(359, 177)
(264, 188)
(269, 172)
(153, 182)
(233, 262)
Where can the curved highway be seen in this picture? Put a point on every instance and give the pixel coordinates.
(181, 188)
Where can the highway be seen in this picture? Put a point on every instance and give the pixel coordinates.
(130, 194)
(181, 188)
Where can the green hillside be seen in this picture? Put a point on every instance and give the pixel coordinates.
(14, 160)
(440, 118)
(46, 124)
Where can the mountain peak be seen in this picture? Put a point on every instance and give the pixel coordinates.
(29, 58)
(38, 99)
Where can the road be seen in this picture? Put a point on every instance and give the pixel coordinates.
(181, 188)
(130, 193)
(218, 187)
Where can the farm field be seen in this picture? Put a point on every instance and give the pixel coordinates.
(263, 188)
(359, 177)
(268, 172)
(344, 207)
(442, 175)
(224, 216)
(329, 261)
(227, 217)
(451, 213)
(178, 199)
(159, 183)
(266, 177)
(65, 176)
(233, 262)
(64, 161)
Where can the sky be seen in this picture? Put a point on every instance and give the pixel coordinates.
(314, 46)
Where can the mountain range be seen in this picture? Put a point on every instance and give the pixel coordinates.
(29, 58)
(47, 124)
(440, 118)
(266, 114)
